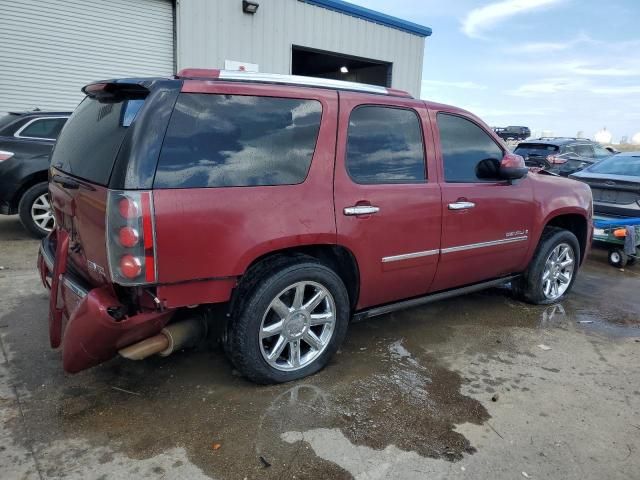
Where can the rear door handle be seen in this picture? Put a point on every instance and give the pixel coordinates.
(461, 205)
(361, 210)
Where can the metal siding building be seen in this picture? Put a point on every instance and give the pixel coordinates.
(49, 49)
(267, 37)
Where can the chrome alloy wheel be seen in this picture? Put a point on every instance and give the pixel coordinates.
(558, 271)
(42, 214)
(297, 326)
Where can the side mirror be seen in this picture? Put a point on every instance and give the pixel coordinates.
(512, 167)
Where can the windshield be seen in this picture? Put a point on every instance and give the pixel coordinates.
(90, 140)
(619, 165)
(535, 149)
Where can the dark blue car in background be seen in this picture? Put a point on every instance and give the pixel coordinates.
(26, 140)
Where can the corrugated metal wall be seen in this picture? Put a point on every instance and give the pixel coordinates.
(208, 32)
(49, 49)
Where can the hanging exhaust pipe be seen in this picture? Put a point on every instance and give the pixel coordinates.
(179, 335)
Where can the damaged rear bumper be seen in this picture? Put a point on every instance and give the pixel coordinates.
(79, 317)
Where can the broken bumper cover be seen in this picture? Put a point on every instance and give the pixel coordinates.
(80, 321)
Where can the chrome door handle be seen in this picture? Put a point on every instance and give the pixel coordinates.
(361, 210)
(461, 205)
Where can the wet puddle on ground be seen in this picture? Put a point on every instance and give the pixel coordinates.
(386, 388)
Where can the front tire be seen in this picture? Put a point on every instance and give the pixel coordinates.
(552, 271)
(36, 214)
(289, 324)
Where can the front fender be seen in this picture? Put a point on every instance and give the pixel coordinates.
(557, 197)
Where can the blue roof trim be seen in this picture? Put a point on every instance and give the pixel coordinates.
(371, 15)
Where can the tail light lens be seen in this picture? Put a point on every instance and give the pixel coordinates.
(131, 237)
(556, 159)
(4, 155)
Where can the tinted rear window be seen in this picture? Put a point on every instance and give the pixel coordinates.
(618, 165)
(237, 140)
(90, 140)
(385, 146)
(535, 149)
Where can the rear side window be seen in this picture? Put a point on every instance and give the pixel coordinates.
(91, 138)
(384, 145)
(464, 146)
(48, 128)
(601, 152)
(238, 141)
(583, 150)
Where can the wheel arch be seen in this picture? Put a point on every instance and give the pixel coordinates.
(336, 257)
(30, 181)
(577, 224)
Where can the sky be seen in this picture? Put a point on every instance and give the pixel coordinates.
(559, 66)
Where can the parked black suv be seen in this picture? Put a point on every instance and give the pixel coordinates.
(561, 155)
(26, 140)
(513, 132)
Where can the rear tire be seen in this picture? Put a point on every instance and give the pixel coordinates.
(618, 258)
(276, 334)
(36, 214)
(552, 271)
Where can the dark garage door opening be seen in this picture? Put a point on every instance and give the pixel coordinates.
(318, 63)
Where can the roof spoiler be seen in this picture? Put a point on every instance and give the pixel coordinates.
(114, 89)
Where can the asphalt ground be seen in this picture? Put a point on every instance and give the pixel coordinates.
(409, 395)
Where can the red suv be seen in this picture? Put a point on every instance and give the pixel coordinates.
(296, 204)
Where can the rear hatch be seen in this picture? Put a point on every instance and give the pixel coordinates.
(615, 184)
(535, 154)
(81, 166)
(613, 194)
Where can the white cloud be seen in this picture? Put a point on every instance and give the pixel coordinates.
(620, 90)
(601, 71)
(546, 87)
(606, 64)
(549, 47)
(485, 17)
(550, 86)
(466, 85)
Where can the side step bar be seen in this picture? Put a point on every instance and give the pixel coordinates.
(433, 297)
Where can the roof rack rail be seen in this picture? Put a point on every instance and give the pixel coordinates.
(276, 78)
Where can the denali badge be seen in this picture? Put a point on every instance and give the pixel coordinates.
(95, 267)
(517, 233)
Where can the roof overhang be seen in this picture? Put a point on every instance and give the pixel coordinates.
(372, 16)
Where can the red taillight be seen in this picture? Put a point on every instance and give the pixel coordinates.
(128, 208)
(130, 266)
(128, 237)
(556, 159)
(147, 228)
(4, 155)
